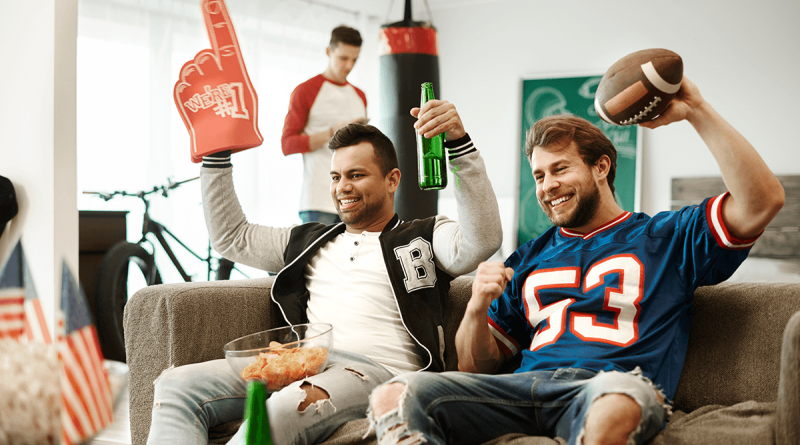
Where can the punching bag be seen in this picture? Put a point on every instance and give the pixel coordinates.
(408, 57)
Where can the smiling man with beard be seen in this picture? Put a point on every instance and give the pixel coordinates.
(380, 281)
(598, 306)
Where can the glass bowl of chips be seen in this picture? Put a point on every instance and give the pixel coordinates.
(281, 356)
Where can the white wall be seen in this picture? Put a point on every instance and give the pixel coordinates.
(743, 55)
(37, 124)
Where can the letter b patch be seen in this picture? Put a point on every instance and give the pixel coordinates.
(417, 260)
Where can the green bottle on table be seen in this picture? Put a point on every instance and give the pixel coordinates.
(255, 414)
(431, 157)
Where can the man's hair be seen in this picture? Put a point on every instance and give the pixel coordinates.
(346, 35)
(561, 129)
(354, 134)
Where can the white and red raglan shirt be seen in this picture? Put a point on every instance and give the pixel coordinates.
(617, 298)
(316, 105)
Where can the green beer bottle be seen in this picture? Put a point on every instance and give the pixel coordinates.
(255, 413)
(431, 158)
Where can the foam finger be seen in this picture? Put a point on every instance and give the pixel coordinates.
(220, 28)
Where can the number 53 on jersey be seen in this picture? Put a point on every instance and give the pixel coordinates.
(621, 302)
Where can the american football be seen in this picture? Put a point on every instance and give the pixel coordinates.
(638, 87)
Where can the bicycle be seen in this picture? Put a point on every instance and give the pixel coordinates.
(111, 289)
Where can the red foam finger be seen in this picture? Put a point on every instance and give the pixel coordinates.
(220, 28)
(214, 95)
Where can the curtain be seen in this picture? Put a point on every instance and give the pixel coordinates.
(130, 135)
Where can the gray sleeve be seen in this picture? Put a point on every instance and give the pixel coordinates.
(460, 246)
(231, 235)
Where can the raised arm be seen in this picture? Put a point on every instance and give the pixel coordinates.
(460, 246)
(756, 195)
(231, 235)
(475, 344)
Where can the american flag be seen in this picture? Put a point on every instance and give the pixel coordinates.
(85, 390)
(12, 297)
(35, 323)
(21, 315)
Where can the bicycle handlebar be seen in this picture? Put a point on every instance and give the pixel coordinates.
(141, 194)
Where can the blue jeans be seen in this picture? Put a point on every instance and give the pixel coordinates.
(190, 399)
(464, 408)
(315, 216)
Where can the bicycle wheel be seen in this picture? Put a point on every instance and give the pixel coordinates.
(124, 269)
(224, 268)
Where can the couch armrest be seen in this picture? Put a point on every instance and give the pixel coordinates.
(734, 349)
(788, 416)
(178, 324)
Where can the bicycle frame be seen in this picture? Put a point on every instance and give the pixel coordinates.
(158, 230)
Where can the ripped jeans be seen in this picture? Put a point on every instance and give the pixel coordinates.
(190, 399)
(464, 408)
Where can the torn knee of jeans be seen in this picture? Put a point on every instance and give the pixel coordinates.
(388, 398)
(666, 404)
(357, 373)
(392, 414)
(314, 396)
(631, 437)
(400, 435)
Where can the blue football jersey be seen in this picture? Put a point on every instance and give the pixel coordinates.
(618, 297)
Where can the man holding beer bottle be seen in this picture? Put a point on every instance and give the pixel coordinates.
(379, 281)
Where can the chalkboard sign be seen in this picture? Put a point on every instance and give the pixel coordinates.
(543, 97)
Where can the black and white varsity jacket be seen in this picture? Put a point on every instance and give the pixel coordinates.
(419, 278)
(420, 288)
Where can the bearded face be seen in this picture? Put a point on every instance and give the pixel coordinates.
(574, 210)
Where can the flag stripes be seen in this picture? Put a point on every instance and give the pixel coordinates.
(85, 386)
(12, 323)
(70, 424)
(35, 324)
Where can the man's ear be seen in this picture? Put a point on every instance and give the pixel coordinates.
(394, 179)
(328, 51)
(602, 167)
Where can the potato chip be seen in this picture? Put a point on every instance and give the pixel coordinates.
(280, 366)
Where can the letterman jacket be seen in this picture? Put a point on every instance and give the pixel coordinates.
(421, 256)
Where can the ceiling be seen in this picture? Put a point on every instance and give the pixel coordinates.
(393, 10)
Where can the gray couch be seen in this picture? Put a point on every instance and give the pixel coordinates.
(740, 382)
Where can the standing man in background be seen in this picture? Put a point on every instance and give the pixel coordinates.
(317, 108)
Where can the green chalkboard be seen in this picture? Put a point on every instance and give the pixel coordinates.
(543, 97)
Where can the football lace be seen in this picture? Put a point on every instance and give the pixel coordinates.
(639, 116)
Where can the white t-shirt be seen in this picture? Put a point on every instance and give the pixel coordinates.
(349, 288)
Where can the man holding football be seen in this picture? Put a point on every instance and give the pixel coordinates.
(599, 306)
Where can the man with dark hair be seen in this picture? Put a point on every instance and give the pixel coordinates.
(317, 108)
(346, 35)
(354, 134)
(379, 281)
(599, 306)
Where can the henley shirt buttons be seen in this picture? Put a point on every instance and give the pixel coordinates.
(352, 259)
(356, 243)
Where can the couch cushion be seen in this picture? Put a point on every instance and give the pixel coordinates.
(735, 344)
